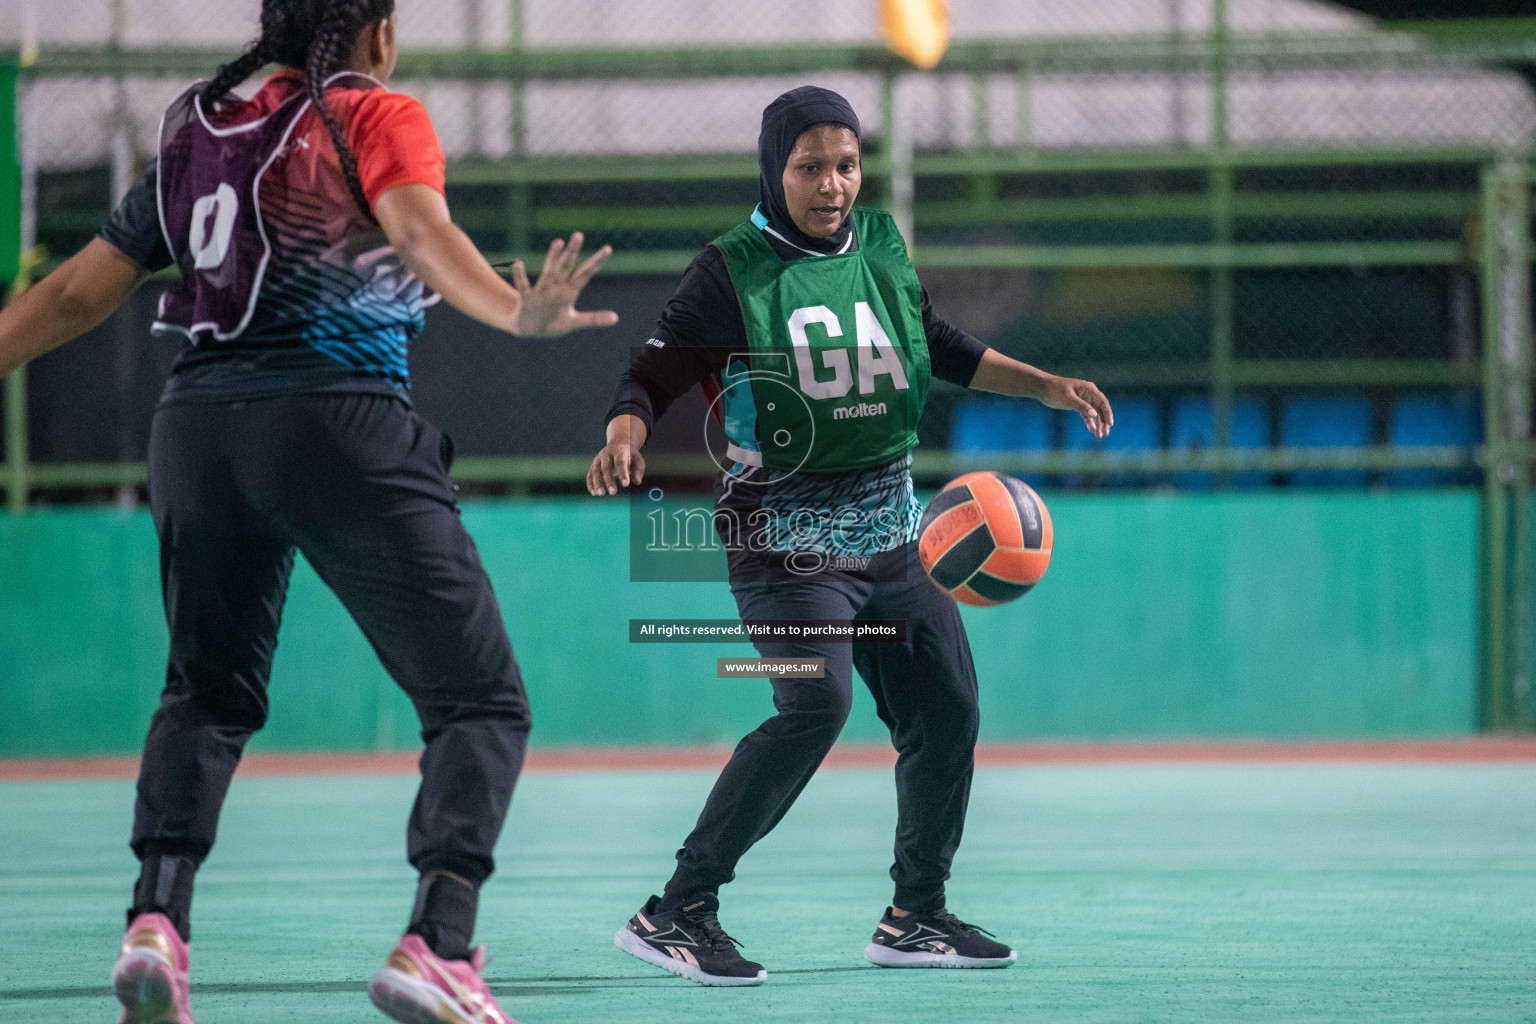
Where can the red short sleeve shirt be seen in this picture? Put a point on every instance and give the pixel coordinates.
(395, 143)
(389, 133)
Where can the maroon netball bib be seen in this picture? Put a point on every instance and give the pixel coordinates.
(209, 186)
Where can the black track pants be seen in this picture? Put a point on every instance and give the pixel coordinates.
(358, 483)
(925, 692)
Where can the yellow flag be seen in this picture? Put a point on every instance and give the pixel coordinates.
(917, 30)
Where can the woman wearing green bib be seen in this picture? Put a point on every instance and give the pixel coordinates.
(814, 342)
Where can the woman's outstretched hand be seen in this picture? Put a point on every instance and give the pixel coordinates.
(1082, 397)
(549, 305)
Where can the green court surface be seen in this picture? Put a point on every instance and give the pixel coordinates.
(1296, 892)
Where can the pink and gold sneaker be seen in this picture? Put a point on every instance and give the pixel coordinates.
(416, 986)
(150, 977)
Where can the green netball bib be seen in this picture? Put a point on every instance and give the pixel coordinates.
(837, 367)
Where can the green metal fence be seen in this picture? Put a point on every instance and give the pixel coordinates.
(1240, 193)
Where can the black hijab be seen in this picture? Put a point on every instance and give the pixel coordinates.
(784, 121)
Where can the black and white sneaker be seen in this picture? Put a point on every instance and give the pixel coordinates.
(688, 942)
(939, 939)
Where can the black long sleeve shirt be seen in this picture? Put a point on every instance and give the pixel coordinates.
(701, 326)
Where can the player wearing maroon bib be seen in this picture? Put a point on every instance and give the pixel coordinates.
(310, 230)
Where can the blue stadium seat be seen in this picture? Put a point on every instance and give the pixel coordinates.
(1137, 429)
(1326, 423)
(1193, 428)
(1421, 422)
(983, 426)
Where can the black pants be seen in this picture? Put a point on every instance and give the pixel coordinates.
(358, 483)
(925, 692)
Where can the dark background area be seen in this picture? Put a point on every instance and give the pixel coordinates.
(92, 401)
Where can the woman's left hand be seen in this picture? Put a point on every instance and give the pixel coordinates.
(1084, 398)
(549, 306)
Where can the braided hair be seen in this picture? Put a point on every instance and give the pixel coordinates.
(316, 36)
